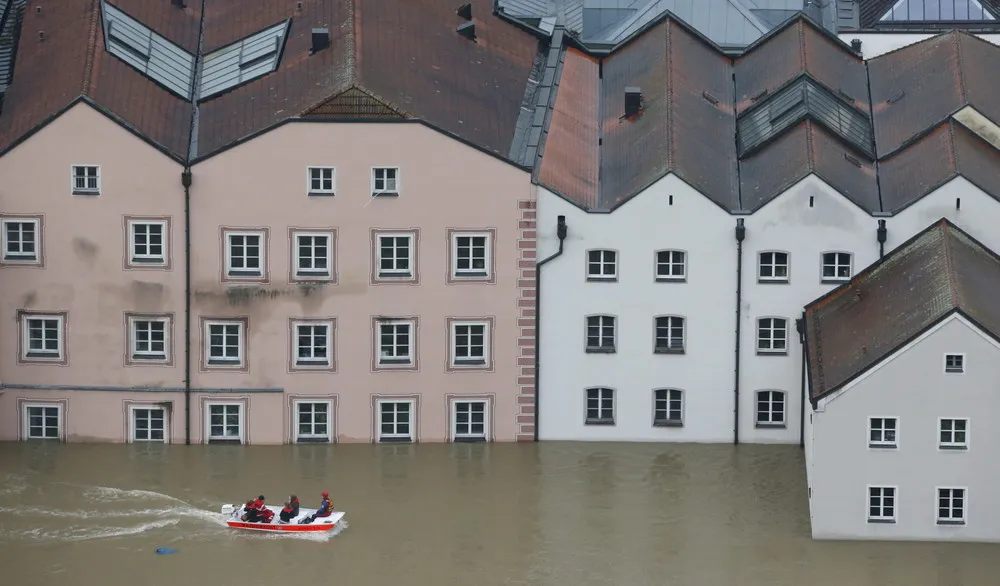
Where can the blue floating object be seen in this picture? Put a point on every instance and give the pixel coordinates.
(165, 550)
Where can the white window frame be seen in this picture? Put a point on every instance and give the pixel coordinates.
(869, 495)
(951, 499)
(953, 444)
(148, 260)
(470, 437)
(396, 437)
(395, 361)
(224, 438)
(133, 428)
(772, 329)
(313, 273)
(832, 259)
(375, 179)
(395, 273)
(26, 421)
(319, 171)
(604, 322)
(455, 361)
(242, 346)
(311, 438)
(672, 347)
(601, 396)
(950, 369)
(26, 352)
(670, 397)
(137, 357)
(471, 273)
(326, 361)
(91, 191)
(601, 263)
(9, 258)
(245, 273)
(671, 264)
(883, 443)
(771, 423)
(774, 265)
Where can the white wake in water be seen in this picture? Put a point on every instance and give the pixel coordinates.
(76, 533)
(13, 484)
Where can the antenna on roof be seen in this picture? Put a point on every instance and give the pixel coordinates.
(465, 11)
(467, 30)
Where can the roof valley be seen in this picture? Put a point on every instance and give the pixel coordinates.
(199, 63)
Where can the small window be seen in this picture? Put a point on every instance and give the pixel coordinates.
(147, 241)
(149, 339)
(669, 335)
(601, 334)
(668, 408)
(225, 343)
(671, 265)
(149, 423)
(951, 506)
(43, 422)
(602, 265)
(22, 241)
(321, 180)
(245, 255)
(385, 181)
(773, 267)
(313, 421)
(953, 434)
(224, 423)
(395, 421)
(470, 344)
(43, 337)
(312, 344)
(882, 432)
(954, 363)
(396, 345)
(395, 256)
(471, 255)
(86, 180)
(600, 406)
(772, 335)
(837, 267)
(770, 409)
(881, 504)
(469, 422)
(312, 256)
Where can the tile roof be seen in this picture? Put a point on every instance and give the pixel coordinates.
(938, 272)
(598, 159)
(917, 87)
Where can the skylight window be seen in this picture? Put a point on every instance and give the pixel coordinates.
(242, 61)
(153, 55)
(937, 11)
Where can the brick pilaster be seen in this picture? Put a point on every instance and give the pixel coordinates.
(526, 312)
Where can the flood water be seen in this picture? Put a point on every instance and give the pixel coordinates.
(554, 514)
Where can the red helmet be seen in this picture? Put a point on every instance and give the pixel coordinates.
(325, 494)
(257, 502)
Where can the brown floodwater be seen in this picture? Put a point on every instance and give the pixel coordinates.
(551, 514)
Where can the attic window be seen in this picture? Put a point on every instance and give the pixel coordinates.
(243, 61)
(937, 11)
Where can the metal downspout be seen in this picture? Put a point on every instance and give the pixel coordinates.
(186, 182)
(561, 233)
(741, 233)
(800, 325)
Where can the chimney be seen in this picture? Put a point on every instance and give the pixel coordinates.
(467, 30)
(178, 3)
(465, 11)
(320, 40)
(633, 101)
(856, 45)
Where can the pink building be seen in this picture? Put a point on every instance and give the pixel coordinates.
(312, 223)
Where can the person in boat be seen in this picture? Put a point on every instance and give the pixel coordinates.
(294, 501)
(262, 514)
(287, 513)
(325, 509)
(249, 512)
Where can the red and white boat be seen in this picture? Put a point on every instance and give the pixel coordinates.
(233, 513)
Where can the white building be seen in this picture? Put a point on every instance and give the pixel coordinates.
(903, 370)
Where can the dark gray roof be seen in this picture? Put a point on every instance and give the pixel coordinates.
(917, 15)
(939, 272)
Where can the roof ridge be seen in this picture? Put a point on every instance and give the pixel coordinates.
(88, 68)
(949, 263)
(354, 42)
(963, 87)
(668, 39)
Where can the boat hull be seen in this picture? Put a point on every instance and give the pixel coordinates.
(320, 525)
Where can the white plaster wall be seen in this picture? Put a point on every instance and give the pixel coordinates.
(707, 299)
(875, 44)
(979, 214)
(788, 223)
(912, 386)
